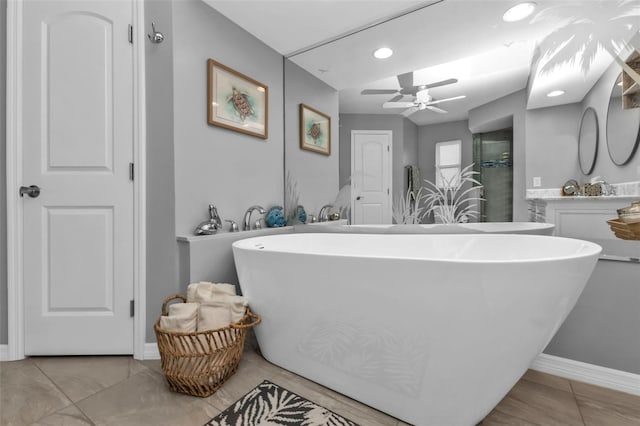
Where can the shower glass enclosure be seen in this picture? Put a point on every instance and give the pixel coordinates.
(493, 160)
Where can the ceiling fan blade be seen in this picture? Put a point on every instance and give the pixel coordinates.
(396, 98)
(410, 111)
(406, 80)
(398, 104)
(379, 91)
(441, 83)
(437, 101)
(436, 109)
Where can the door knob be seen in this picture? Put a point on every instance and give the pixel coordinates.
(359, 197)
(32, 191)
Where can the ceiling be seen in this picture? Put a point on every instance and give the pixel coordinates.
(437, 39)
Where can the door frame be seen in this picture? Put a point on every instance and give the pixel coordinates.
(389, 133)
(15, 284)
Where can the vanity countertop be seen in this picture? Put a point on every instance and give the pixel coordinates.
(627, 191)
(578, 198)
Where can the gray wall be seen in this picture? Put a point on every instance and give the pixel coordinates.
(212, 164)
(410, 154)
(604, 327)
(316, 175)
(428, 136)
(395, 123)
(552, 148)
(508, 111)
(3, 175)
(162, 274)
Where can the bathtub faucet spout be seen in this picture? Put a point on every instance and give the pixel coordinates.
(246, 221)
(323, 215)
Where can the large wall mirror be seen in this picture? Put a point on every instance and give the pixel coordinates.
(463, 80)
(623, 127)
(588, 141)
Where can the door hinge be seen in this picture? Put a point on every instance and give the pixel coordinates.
(388, 148)
(131, 171)
(130, 33)
(388, 191)
(132, 308)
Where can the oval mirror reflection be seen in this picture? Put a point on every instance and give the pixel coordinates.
(588, 141)
(623, 127)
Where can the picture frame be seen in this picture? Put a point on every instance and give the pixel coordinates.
(236, 102)
(315, 130)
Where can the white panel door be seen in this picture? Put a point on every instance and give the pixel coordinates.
(371, 177)
(77, 146)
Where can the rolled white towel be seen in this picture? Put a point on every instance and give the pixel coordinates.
(179, 323)
(237, 305)
(190, 309)
(207, 292)
(183, 317)
(214, 315)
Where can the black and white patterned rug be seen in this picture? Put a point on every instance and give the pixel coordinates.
(270, 404)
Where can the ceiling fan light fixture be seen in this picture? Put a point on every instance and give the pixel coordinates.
(519, 12)
(382, 53)
(555, 93)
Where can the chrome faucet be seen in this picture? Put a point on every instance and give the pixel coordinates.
(246, 221)
(323, 216)
(211, 226)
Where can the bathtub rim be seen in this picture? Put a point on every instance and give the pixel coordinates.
(594, 249)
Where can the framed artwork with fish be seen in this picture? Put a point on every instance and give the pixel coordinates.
(315, 130)
(236, 101)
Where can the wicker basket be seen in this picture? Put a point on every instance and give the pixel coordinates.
(199, 363)
(624, 230)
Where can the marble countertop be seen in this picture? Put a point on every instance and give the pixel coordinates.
(624, 191)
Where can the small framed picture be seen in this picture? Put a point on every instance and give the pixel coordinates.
(236, 102)
(315, 130)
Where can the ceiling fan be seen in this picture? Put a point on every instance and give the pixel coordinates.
(407, 87)
(422, 102)
(422, 98)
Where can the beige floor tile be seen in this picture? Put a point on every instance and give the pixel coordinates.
(608, 396)
(548, 380)
(248, 376)
(153, 364)
(541, 404)
(80, 377)
(496, 418)
(145, 399)
(596, 413)
(601, 406)
(70, 416)
(334, 401)
(26, 394)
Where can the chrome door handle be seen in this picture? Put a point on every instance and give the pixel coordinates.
(32, 191)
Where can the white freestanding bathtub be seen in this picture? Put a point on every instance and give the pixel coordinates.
(431, 329)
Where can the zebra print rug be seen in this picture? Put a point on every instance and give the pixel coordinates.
(270, 404)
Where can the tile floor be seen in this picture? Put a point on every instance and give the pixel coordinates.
(121, 391)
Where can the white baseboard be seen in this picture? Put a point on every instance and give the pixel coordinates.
(593, 374)
(4, 352)
(151, 351)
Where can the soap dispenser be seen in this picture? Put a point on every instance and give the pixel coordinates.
(211, 226)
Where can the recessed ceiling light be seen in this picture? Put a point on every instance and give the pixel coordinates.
(383, 53)
(555, 93)
(519, 11)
